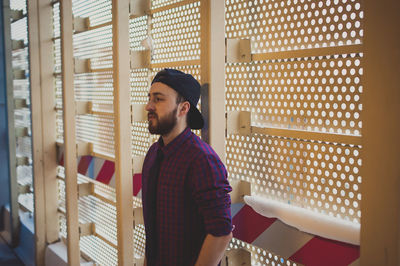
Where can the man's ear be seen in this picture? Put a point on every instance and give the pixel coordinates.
(184, 108)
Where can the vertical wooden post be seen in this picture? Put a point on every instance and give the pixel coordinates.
(380, 206)
(212, 62)
(122, 131)
(70, 157)
(48, 118)
(11, 237)
(205, 67)
(37, 146)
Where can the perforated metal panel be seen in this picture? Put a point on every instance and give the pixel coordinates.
(319, 176)
(99, 209)
(99, 11)
(259, 256)
(295, 24)
(99, 250)
(305, 73)
(162, 3)
(95, 44)
(96, 85)
(320, 94)
(22, 114)
(176, 34)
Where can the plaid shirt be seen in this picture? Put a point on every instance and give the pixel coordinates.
(192, 198)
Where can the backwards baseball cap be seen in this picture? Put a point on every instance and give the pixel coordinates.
(188, 87)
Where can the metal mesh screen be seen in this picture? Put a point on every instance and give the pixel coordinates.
(176, 34)
(300, 77)
(315, 94)
(22, 114)
(291, 25)
(259, 256)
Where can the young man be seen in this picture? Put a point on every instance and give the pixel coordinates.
(186, 204)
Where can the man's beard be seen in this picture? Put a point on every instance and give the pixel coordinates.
(164, 125)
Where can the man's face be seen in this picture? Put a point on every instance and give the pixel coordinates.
(162, 109)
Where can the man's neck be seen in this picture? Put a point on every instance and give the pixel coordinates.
(178, 129)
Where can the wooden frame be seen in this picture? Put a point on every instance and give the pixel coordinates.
(12, 236)
(48, 118)
(216, 74)
(380, 231)
(239, 122)
(122, 131)
(70, 150)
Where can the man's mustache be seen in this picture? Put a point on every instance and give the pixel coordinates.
(151, 114)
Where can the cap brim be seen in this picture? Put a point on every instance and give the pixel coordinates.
(196, 120)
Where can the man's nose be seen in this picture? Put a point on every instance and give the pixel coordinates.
(149, 106)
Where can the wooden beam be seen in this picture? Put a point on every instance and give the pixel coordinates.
(205, 44)
(238, 51)
(309, 135)
(12, 235)
(138, 216)
(83, 148)
(140, 59)
(139, 8)
(324, 51)
(216, 79)
(239, 122)
(175, 64)
(122, 131)
(16, 14)
(83, 107)
(70, 152)
(48, 118)
(81, 65)
(139, 113)
(81, 24)
(21, 132)
(240, 189)
(21, 103)
(19, 74)
(137, 164)
(18, 44)
(380, 205)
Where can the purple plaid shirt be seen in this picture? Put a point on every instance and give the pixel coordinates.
(192, 198)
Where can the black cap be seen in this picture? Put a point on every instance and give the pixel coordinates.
(188, 87)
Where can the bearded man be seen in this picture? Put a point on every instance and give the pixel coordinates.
(186, 204)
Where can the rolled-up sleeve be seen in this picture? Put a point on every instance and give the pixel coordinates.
(210, 189)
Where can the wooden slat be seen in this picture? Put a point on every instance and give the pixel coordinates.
(380, 208)
(174, 5)
(16, 15)
(175, 64)
(106, 240)
(205, 39)
(103, 156)
(239, 122)
(108, 23)
(70, 159)
(102, 198)
(48, 118)
(138, 8)
(308, 135)
(325, 51)
(18, 44)
(12, 236)
(92, 153)
(217, 76)
(122, 128)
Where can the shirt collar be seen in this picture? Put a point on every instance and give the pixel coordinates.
(175, 143)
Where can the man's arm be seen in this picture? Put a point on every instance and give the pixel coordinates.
(213, 249)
